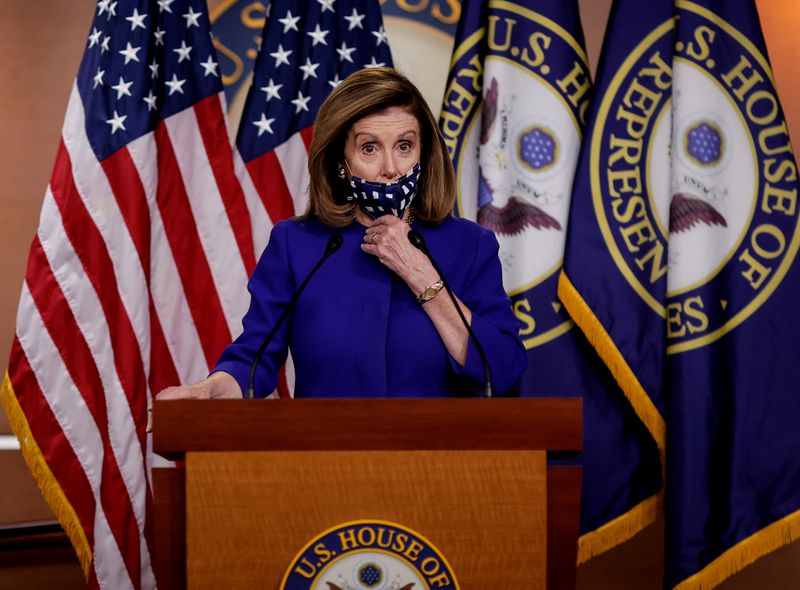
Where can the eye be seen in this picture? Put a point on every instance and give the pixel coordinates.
(368, 148)
(405, 146)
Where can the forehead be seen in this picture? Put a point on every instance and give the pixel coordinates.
(391, 121)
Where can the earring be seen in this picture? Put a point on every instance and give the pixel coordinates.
(342, 172)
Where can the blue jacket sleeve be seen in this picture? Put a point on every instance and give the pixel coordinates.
(271, 288)
(493, 321)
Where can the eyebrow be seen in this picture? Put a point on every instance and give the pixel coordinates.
(403, 135)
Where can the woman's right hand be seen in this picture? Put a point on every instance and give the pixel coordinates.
(220, 385)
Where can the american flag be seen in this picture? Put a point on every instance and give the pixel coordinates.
(308, 48)
(136, 276)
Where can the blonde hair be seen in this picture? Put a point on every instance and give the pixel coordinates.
(364, 93)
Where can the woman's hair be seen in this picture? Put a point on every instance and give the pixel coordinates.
(364, 93)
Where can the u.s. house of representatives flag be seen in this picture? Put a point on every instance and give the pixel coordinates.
(136, 278)
(681, 268)
(513, 116)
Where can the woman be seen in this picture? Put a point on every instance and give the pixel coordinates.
(373, 321)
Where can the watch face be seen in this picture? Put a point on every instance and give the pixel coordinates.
(430, 292)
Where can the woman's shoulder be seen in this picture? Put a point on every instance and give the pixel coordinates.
(301, 228)
(461, 228)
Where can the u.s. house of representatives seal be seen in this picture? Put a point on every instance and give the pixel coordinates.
(693, 177)
(369, 555)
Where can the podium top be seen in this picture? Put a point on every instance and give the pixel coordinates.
(553, 424)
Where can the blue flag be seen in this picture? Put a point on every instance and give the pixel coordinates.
(513, 117)
(681, 268)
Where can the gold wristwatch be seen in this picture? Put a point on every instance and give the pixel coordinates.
(430, 292)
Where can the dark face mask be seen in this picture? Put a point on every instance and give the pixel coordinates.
(380, 198)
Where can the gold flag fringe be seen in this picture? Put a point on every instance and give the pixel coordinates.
(620, 529)
(49, 486)
(580, 311)
(779, 533)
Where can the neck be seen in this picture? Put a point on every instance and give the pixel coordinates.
(365, 220)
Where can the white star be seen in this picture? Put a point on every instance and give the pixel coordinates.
(164, 5)
(94, 38)
(104, 44)
(327, 5)
(150, 99)
(130, 53)
(345, 52)
(335, 82)
(374, 64)
(318, 36)
(210, 67)
(102, 6)
(191, 18)
(354, 20)
(309, 69)
(116, 122)
(98, 78)
(380, 35)
(300, 102)
(175, 85)
(112, 10)
(281, 56)
(289, 21)
(153, 70)
(123, 88)
(263, 124)
(159, 35)
(136, 19)
(272, 90)
(183, 51)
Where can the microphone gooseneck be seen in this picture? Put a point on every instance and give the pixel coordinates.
(418, 242)
(334, 243)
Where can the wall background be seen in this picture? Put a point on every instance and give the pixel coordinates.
(42, 43)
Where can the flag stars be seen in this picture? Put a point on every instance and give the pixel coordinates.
(335, 82)
(104, 43)
(272, 90)
(289, 22)
(327, 5)
(98, 78)
(159, 35)
(374, 64)
(164, 5)
(153, 70)
(264, 125)
(191, 18)
(354, 20)
(102, 6)
(136, 19)
(112, 10)
(281, 56)
(123, 88)
(209, 67)
(150, 99)
(301, 102)
(380, 36)
(94, 38)
(183, 51)
(117, 122)
(175, 85)
(345, 52)
(309, 69)
(318, 36)
(130, 53)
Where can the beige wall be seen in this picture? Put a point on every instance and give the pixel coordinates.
(41, 43)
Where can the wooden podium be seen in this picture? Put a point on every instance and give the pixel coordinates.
(258, 480)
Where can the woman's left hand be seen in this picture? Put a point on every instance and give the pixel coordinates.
(387, 238)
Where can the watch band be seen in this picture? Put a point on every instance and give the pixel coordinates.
(430, 292)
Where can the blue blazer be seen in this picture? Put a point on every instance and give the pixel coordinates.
(358, 331)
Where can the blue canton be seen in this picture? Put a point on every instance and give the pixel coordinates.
(144, 61)
(309, 47)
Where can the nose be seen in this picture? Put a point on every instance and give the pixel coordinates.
(390, 168)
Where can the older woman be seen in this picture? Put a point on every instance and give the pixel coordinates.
(374, 320)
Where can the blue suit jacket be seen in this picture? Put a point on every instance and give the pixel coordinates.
(357, 329)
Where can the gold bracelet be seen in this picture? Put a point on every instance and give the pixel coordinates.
(430, 292)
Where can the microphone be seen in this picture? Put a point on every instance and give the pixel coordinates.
(334, 243)
(418, 242)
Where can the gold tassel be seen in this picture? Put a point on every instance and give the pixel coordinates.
(49, 486)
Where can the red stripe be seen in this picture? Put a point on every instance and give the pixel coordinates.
(77, 357)
(57, 451)
(91, 249)
(307, 134)
(270, 183)
(211, 122)
(190, 258)
(162, 369)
